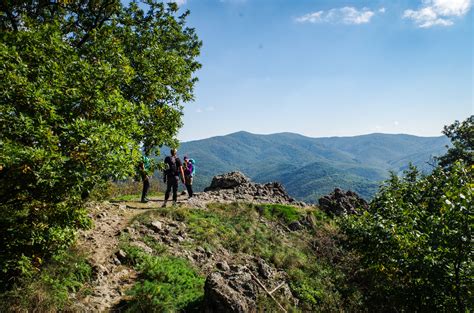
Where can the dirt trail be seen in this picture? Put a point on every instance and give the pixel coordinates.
(111, 278)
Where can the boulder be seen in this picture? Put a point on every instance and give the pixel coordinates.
(235, 186)
(227, 181)
(233, 292)
(339, 202)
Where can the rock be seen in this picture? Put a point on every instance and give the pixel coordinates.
(223, 266)
(264, 269)
(235, 186)
(295, 226)
(121, 255)
(157, 226)
(234, 292)
(341, 203)
(227, 181)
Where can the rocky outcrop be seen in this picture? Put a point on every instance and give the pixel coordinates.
(235, 186)
(227, 181)
(236, 288)
(339, 202)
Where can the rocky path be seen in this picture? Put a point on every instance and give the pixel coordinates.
(111, 278)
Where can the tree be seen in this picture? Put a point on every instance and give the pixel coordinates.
(85, 86)
(462, 138)
(415, 239)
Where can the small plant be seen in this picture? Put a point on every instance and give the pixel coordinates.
(48, 290)
(287, 213)
(168, 284)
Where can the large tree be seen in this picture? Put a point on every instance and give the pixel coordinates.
(85, 86)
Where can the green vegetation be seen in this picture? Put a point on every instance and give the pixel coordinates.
(415, 241)
(167, 284)
(287, 213)
(85, 86)
(49, 289)
(315, 274)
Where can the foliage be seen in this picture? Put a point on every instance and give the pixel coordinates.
(415, 242)
(48, 290)
(315, 273)
(85, 86)
(287, 213)
(462, 138)
(168, 284)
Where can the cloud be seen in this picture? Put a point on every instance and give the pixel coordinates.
(345, 15)
(180, 2)
(382, 10)
(438, 12)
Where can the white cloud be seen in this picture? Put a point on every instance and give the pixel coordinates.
(438, 12)
(180, 2)
(345, 15)
(382, 10)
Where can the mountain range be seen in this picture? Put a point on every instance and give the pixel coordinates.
(312, 167)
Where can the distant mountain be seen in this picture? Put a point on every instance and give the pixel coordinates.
(311, 167)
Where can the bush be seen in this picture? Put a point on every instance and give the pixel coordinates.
(415, 242)
(168, 284)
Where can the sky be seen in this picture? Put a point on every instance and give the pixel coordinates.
(330, 67)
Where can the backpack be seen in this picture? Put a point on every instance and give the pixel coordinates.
(172, 167)
(194, 166)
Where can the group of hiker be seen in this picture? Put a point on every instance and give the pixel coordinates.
(174, 171)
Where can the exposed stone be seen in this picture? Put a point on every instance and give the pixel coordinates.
(227, 181)
(223, 266)
(235, 186)
(157, 226)
(233, 292)
(340, 203)
(295, 226)
(121, 255)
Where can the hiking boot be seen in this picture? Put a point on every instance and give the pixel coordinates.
(175, 203)
(164, 204)
(144, 201)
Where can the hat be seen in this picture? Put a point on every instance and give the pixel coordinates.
(185, 157)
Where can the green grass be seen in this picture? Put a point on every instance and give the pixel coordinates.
(49, 289)
(136, 197)
(251, 229)
(167, 284)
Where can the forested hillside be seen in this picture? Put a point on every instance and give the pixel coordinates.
(311, 167)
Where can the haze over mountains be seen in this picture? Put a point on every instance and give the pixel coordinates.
(311, 167)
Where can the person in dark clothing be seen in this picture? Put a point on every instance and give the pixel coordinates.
(188, 176)
(143, 169)
(173, 172)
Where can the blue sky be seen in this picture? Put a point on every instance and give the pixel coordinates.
(330, 67)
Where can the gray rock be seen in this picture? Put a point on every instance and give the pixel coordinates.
(223, 266)
(121, 255)
(342, 203)
(157, 226)
(295, 226)
(229, 292)
(227, 181)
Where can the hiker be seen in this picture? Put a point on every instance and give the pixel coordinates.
(144, 168)
(188, 175)
(171, 175)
